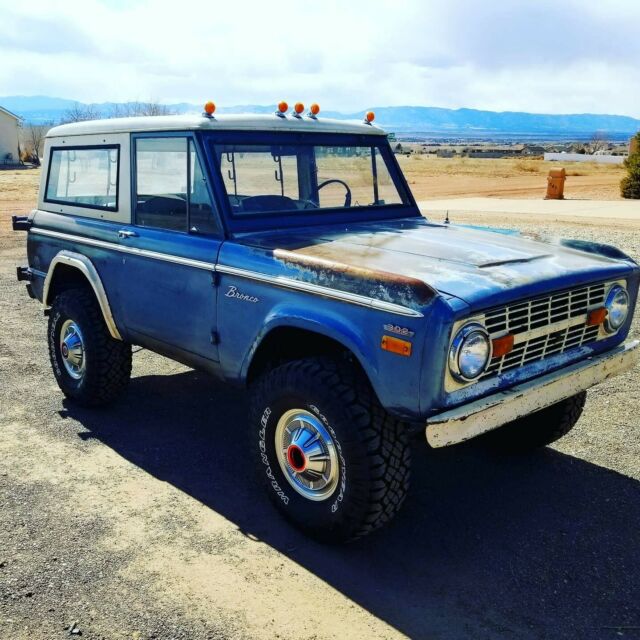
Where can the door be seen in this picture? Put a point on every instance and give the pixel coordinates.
(168, 287)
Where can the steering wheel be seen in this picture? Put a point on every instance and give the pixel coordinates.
(347, 197)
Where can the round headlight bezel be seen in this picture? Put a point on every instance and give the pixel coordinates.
(463, 334)
(609, 302)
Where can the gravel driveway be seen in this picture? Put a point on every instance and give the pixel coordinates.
(143, 520)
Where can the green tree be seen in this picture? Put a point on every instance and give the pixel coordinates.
(630, 185)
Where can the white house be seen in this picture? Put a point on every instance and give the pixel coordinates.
(9, 123)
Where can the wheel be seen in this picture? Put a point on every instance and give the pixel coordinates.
(90, 367)
(540, 428)
(332, 460)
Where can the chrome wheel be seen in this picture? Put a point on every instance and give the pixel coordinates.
(72, 349)
(307, 454)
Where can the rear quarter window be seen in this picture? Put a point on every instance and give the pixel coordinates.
(84, 177)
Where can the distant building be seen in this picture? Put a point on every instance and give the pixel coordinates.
(532, 150)
(492, 153)
(9, 145)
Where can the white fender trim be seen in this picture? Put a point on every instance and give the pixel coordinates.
(85, 266)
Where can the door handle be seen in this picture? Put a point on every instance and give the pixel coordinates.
(125, 233)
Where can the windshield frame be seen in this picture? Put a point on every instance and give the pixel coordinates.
(323, 216)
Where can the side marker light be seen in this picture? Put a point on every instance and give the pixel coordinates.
(395, 345)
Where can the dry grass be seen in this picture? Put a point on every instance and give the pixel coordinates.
(432, 177)
(428, 165)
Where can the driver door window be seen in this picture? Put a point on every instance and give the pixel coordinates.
(171, 187)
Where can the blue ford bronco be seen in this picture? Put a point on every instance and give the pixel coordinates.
(285, 253)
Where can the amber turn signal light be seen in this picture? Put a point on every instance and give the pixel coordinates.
(209, 108)
(395, 345)
(596, 316)
(502, 346)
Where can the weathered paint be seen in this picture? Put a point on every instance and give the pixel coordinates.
(476, 418)
(484, 269)
(382, 285)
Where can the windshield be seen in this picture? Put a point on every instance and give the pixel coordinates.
(304, 177)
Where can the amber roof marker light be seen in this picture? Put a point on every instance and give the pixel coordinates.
(314, 110)
(298, 108)
(369, 117)
(281, 111)
(209, 109)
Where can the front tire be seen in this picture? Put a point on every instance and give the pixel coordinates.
(539, 429)
(90, 366)
(332, 460)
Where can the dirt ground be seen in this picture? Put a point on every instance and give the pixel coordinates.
(143, 521)
(431, 177)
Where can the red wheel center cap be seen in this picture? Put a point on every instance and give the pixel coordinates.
(296, 458)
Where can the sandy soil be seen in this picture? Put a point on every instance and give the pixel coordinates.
(431, 177)
(142, 520)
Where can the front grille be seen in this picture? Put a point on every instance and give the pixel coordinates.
(563, 314)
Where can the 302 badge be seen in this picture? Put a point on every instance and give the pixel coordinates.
(398, 330)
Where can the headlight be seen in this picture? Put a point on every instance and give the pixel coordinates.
(617, 305)
(470, 352)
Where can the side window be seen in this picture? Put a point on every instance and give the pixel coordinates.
(161, 183)
(171, 187)
(84, 177)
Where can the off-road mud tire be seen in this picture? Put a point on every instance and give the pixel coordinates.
(108, 361)
(373, 448)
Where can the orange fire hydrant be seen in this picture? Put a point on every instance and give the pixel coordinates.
(555, 184)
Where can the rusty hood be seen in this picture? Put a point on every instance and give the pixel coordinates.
(480, 267)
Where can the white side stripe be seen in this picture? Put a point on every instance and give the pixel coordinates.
(278, 281)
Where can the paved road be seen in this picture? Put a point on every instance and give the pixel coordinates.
(143, 521)
(557, 209)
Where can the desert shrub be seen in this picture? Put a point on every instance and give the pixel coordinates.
(630, 185)
(528, 166)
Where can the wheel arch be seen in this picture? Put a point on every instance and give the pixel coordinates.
(76, 265)
(283, 341)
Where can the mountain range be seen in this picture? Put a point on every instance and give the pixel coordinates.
(407, 121)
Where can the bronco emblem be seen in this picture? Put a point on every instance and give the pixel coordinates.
(233, 292)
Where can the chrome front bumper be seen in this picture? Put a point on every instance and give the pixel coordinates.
(477, 417)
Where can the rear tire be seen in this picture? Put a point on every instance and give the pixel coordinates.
(362, 451)
(539, 429)
(90, 367)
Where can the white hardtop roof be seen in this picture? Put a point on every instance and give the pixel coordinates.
(235, 122)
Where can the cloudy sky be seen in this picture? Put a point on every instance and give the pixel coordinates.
(555, 56)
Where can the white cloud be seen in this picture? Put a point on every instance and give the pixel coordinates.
(528, 55)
